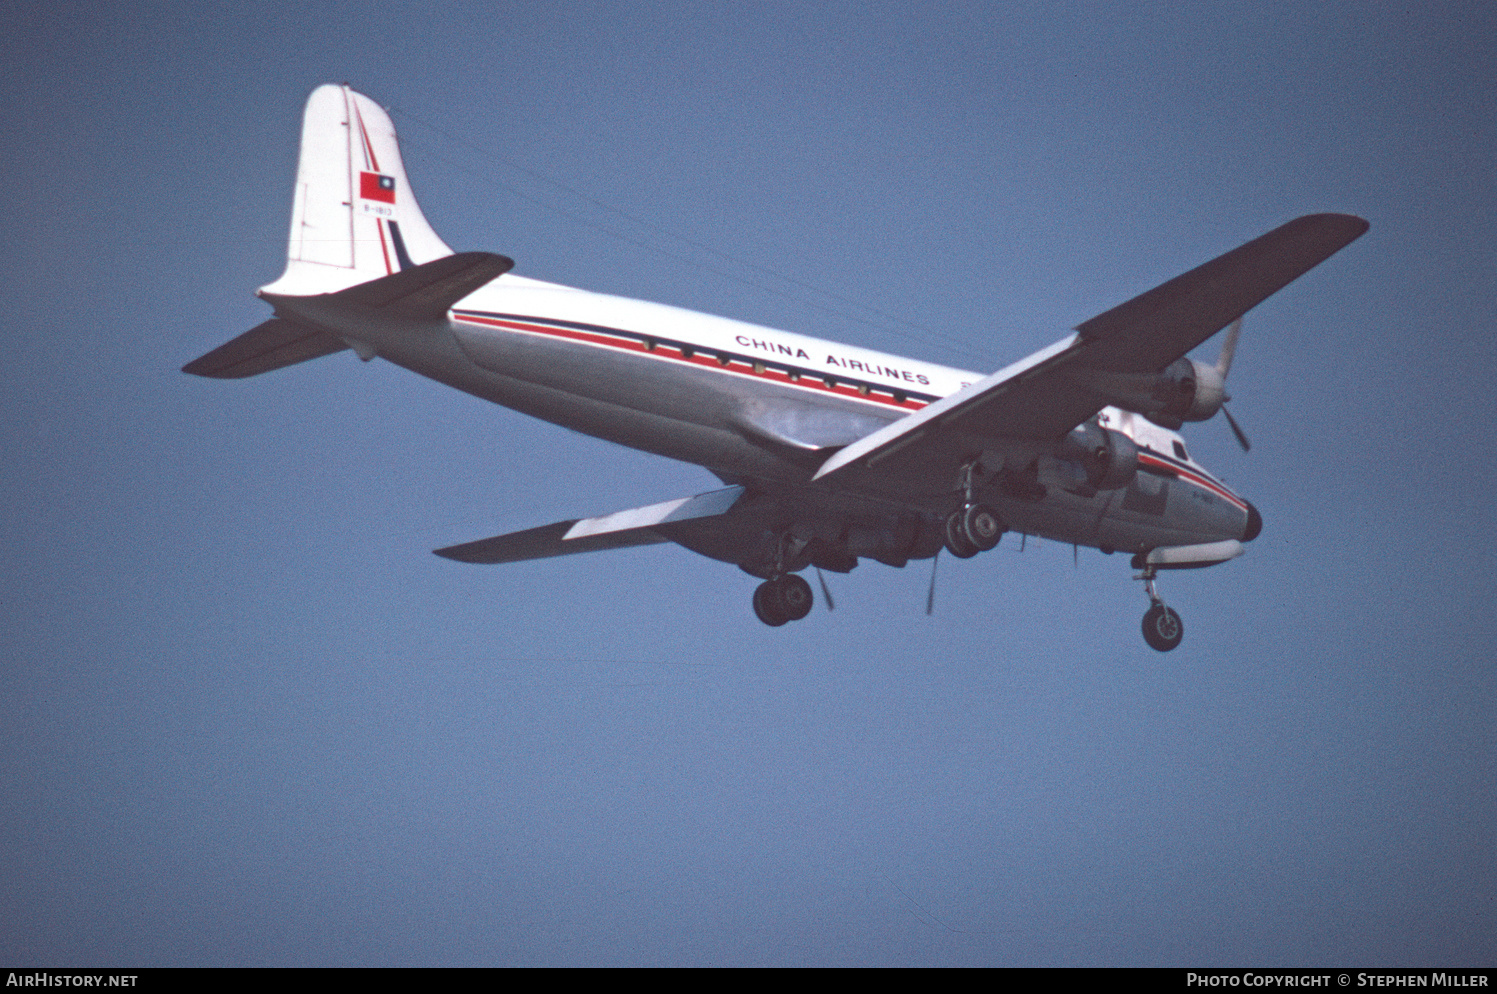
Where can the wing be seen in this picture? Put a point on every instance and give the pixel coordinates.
(621, 530)
(1041, 398)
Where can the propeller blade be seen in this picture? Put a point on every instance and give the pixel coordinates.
(930, 598)
(1242, 439)
(1229, 348)
(826, 591)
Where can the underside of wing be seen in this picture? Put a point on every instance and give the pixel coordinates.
(543, 543)
(1040, 399)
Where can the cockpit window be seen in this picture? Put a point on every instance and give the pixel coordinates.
(1180, 451)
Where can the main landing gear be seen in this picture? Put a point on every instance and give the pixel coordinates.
(1163, 628)
(784, 598)
(973, 527)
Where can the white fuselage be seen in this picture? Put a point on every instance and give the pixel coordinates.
(764, 406)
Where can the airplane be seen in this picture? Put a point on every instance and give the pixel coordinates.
(829, 453)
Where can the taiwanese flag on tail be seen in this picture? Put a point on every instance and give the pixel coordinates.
(373, 186)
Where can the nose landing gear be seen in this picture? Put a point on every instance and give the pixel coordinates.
(1163, 629)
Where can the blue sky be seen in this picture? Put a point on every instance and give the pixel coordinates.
(250, 719)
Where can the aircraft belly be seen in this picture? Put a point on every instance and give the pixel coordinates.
(722, 451)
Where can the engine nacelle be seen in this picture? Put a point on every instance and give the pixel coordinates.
(1109, 458)
(1187, 391)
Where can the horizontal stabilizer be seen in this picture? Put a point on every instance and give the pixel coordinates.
(429, 290)
(424, 292)
(271, 345)
(620, 530)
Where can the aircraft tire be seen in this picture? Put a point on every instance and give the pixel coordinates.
(981, 526)
(769, 605)
(1163, 628)
(795, 597)
(957, 542)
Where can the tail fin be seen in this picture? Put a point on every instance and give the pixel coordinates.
(353, 221)
(353, 218)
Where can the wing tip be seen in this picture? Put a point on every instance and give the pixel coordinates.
(458, 553)
(1349, 226)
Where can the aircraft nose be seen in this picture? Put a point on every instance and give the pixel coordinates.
(1254, 523)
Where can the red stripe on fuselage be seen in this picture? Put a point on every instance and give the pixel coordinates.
(1192, 476)
(706, 357)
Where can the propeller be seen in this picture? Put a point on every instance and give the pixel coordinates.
(1242, 439)
(930, 598)
(826, 591)
(1224, 366)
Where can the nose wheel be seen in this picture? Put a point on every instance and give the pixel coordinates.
(1163, 629)
(783, 599)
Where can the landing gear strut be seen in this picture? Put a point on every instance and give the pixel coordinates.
(785, 598)
(1162, 626)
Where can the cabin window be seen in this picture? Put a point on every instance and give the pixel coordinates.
(649, 345)
(1180, 450)
(830, 381)
(759, 368)
(687, 352)
(899, 397)
(795, 376)
(723, 359)
(863, 389)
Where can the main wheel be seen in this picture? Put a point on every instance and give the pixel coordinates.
(1163, 628)
(768, 604)
(957, 542)
(982, 526)
(795, 597)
